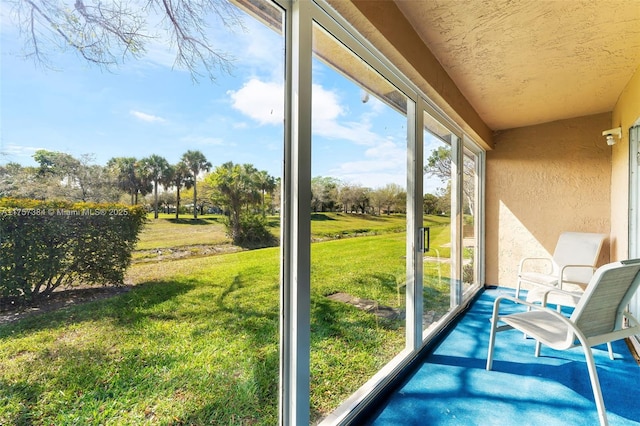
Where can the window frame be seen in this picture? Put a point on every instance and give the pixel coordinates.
(294, 395)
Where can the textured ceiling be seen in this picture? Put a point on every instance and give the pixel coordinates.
(523, 62)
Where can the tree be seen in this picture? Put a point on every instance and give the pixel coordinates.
(71, 178)
(55, 163)
(179, 176)
(21, 182)
(324, 193)
(430, 204)
(439, 165)
(355, 196)
(363, 196)
(444, 200)
(231, 182)
(108, 33)
(196, 162)
(391, 196)
(128, 177)
(239, 190)
(276, 197)
(267, 184)
(155, 169)
(347, 197)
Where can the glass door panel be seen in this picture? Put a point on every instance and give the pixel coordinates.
(469, 222)
(438, 222)
(358, 223)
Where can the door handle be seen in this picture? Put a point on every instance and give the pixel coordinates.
(426, 239)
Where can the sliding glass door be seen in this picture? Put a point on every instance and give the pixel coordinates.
(438, 264)
(358, 243)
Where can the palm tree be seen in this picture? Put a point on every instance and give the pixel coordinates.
(155, 169)
(236, 184)
(127, 174)
(178, 176)
(196, 162)
(267, 184)
(227, 179)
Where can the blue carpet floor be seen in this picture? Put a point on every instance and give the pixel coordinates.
(452, 387)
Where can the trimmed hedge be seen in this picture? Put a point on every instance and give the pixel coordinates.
(48, 244)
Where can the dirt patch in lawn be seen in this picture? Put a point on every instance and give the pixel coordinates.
(11, 310)
(367, 305)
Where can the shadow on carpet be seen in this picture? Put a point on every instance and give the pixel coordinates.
(452, 387)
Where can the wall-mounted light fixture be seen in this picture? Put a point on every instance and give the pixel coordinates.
(612, 134)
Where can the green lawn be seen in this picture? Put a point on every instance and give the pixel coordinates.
(338, 225)
(196, 340)
(167, 232)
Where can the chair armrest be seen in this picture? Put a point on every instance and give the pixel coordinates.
(531, 306)
(565, 267)
(575, 298)
(631, 320)
(525, 260)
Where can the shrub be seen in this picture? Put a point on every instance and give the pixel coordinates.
(253, 231)
(48, 244)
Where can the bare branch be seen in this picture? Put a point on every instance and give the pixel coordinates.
(188, 28)
(106, 34)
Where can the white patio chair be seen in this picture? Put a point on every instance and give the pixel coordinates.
(574, 260)
(600, 316)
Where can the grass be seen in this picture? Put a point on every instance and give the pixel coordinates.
(169, 232)
(338, 225)
(196, 340)
(196, 347)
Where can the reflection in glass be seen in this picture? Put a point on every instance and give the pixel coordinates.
(469, 224)
(358, 250)
(437, 262)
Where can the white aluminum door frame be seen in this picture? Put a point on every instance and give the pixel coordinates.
(634, 212)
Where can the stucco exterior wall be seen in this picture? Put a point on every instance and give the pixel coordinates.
(625, 114)
(384, 25)
(543, 180)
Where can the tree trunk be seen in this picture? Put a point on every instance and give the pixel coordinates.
(178, 203)
(195, 197)
(155, 199)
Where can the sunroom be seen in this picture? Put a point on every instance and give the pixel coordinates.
(522, 95)
(485, 119)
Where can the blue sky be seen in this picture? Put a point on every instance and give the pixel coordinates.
(147, 106)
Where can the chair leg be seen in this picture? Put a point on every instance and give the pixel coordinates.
(595, 385)
(492, 333)
(610, 349)
(492, 340)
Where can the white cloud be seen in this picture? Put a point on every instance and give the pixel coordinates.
(327, 111)
(263, 49)
(264, 103)
(149, 118)
(10, 151)
(383, 163)
(325, 105)
(261, 101)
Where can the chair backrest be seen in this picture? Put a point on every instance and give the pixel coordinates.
(600, 309)
(577, 248)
